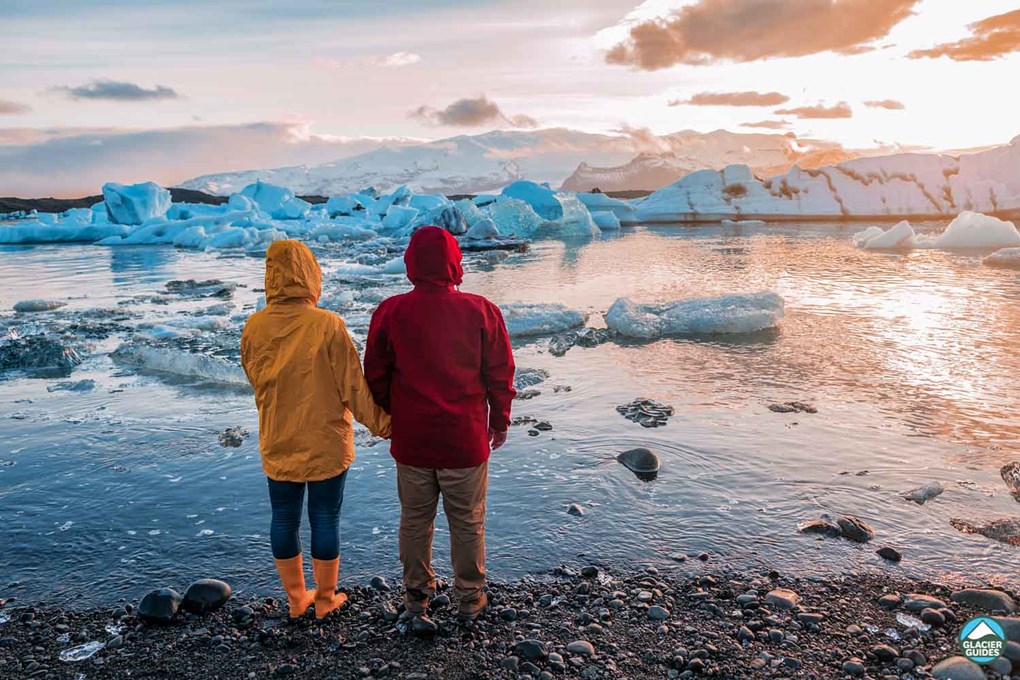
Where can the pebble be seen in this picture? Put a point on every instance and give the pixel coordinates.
(854, 667)
(590, 572)
(532, 650)
(379, 583)
(423, 626)
(890, 601)
(640, 460)
(159, 606)
(933, 617)
(581, 647)
(657, 613)
(855, 529)
(986, 599)
(575, 509)
(782, 598)
(891, 554)
(205, 596)
(916, 602)
(957, 668)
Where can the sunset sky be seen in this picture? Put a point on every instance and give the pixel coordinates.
(75, 74)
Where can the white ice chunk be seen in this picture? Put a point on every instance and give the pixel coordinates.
(899, 237)
(345, 206)
(279, 202)
(524, 319)
(971, 230)
(135, 203)
(740, 313)
(623, 210)
(395, 266)
(482, 229)
(398, 217)
(1007, 257)
(606, 220)
(344, 229)
(178, 362)
(564, 214)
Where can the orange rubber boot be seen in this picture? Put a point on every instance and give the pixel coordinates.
(326, 574)
(292, 574)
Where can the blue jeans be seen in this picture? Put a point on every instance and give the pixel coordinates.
(324, 501)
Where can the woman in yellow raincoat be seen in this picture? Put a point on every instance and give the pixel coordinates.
(308, 382)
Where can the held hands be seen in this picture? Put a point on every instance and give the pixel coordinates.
(496, 439)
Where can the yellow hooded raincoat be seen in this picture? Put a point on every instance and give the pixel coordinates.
(306, 374)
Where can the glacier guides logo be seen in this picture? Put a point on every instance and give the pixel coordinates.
(982, 640)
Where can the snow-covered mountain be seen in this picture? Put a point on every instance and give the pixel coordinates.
(489, 161)
(463, 164)
(689, 152)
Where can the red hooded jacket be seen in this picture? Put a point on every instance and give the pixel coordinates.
(439, 361)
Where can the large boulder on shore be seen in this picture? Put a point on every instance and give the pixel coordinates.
(135, 203)
(206, 595)
(159, 606)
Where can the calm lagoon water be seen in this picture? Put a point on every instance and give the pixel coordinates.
(912, 361)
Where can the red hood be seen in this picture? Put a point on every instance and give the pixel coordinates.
(433, 257)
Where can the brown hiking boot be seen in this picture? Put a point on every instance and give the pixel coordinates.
(416, 601)
(469, 611)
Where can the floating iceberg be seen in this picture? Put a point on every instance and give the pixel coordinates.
(135, 203)
(515, 217)
(606, 220)
(178, 362)
(900, 185)
(1007, 257)
(566, 213)
(624, 210)
(745, 313)
(482, 229)
(523, 320)
(59, 230)
(398, 217)
(899, 237)
(279, 202)
(345, 206)
(971, 230)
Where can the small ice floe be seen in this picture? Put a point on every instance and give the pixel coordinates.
(582, 337)
(81, 652)
(204, 532)
(899, 237)
(529, 377)
(25, 306)
(524, 320)
(63, 638)
(646, 412)
(114, 628)
(178, 362)
(925, 493)
(73, 386)
(4, 616)
(739, 313)
(65, 526)
(909, 621)
(1008, 258)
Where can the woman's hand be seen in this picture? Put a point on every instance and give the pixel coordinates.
(496, 439)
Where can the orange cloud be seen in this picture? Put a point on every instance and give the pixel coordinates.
(992, 38)
(890, 104)
(768, 124)
(746, 30)
(733, 99)
(840, 110)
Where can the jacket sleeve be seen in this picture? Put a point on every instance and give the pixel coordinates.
(379, 360)
(246, 353)
(498, 369)
(353, 388)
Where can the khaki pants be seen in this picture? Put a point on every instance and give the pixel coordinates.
(463, 492)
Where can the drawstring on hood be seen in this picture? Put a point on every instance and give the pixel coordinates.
(433, 258)
(292, 273)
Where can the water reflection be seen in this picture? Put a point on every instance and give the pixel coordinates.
(135, 264)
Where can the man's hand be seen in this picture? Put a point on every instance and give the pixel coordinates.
(496, 439)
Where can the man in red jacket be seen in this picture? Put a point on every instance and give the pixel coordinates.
(439, 361)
